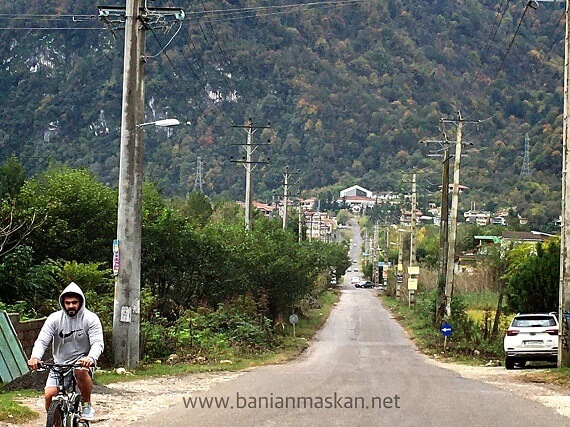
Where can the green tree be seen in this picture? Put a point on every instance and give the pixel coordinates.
(533, 276)
(80, 215)
(12, 177)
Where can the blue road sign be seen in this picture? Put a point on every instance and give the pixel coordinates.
(446, 329)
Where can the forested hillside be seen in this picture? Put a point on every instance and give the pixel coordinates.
(350, 88)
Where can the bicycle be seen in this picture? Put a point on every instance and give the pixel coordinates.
(65, 408)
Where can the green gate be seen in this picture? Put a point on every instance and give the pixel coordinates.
(13, 360)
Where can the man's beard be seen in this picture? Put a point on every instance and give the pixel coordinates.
(71, 312)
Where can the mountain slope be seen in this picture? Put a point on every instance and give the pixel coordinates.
(349, 89)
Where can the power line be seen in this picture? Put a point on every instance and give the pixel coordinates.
(528, 5)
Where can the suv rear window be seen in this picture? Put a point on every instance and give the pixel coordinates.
(534, 321)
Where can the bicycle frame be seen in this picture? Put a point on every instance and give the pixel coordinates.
(65, 408)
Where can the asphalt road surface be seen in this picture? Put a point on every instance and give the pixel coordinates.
(361, 370)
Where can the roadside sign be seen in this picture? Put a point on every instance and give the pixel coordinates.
(446, 329)
(115, 257)
(414, 270)
(294, 319)
(412, 284)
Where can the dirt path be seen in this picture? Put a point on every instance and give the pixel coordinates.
(126, 402)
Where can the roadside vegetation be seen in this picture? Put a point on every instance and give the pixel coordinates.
(213, 295)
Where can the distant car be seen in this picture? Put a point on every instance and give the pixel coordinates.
(356, 282)
(354, 261)
(355, 269)
(531, 337)
(367, 284)
(355, 244)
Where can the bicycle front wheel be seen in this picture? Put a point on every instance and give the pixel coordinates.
(55, 415)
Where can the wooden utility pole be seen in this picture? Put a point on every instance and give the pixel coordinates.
(454, 210)
(443, 238)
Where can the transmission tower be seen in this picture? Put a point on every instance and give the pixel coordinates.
(525, 170)
(198, 178)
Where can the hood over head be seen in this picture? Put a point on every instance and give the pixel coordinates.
(73, 288)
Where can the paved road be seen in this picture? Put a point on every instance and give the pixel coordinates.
(361, 358)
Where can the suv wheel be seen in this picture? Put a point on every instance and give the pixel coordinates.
(509, 362)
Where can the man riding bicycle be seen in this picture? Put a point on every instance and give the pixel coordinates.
(76, 335)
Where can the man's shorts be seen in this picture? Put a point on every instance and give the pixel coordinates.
(53, 377)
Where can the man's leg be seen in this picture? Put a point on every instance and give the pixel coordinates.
(49, 393)
(85, 384)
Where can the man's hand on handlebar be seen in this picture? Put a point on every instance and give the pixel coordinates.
(86, 362)
(34, 363)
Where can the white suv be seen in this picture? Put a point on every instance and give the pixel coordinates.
(531, 337)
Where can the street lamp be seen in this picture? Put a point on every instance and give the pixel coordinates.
(127, 245)
(161, 123)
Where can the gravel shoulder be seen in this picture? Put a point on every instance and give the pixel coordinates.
(125, 403)
(514, 381)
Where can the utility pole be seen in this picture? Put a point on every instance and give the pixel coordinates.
(127, 247)
(376, 256)
(400, 268)
(454, 209)
(300, 223)
(387, 256)
(249, 165)
(564, 287)
(413, 270)
(286, 186)
(443, 238)
(443, 228)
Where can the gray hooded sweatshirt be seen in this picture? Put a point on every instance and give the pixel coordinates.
(72, 337)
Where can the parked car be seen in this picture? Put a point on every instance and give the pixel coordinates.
(531, 337)
(367, 284)
(356, 281)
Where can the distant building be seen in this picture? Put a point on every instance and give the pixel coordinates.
(356, 190)
(511, 239)
(480, 218)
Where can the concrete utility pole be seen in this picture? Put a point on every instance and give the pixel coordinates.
(127, 247)
(376, 256)
(454, 209)
(400, 267)
(412, 282)
(387, 256)
(249, 165)
(564, 287)
(286, 186)
(126, 312)
(300, 225)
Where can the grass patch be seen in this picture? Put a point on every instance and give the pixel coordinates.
(480, 300)
(14, 412)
